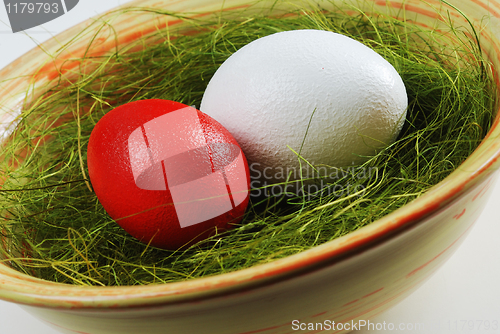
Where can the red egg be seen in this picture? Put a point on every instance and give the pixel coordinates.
(167, 173)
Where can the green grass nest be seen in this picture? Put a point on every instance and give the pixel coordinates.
(53, 226)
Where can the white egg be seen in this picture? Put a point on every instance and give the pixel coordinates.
(325, 95)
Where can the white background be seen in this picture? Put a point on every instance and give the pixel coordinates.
(465, 291)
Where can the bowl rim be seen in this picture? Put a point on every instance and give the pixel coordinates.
(24, 289)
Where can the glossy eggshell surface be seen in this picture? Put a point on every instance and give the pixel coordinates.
(173, 202)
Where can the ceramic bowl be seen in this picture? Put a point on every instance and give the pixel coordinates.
(350, 279)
